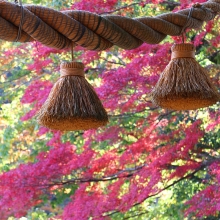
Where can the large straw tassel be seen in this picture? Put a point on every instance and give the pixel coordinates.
(72, 103)
(184, 84)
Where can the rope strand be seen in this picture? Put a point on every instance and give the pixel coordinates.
(94, 32)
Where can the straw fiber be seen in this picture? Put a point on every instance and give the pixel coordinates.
(95, 32)
(70, 28)
(181, 20)
(161, 26)
(137, 29)
(200, 13)
(33, 25)
(105, 29)
(72, 103)
(9, 32)
(184, 84)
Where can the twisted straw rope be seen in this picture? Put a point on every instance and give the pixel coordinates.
(94, 32)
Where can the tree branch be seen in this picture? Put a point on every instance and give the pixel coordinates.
(173, 4)
(203, 165)
(131, 172)
(118, 9)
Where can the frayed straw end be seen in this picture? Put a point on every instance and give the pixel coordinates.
(71, 124)
(185, 103)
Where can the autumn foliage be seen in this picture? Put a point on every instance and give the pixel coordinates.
(129, 167)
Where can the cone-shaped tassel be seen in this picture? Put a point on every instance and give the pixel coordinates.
(184, 84)
(72, 103)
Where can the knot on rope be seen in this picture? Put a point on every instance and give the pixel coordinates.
(72, 69)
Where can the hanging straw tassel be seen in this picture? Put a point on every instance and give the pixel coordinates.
(72, 103)
(184, 84)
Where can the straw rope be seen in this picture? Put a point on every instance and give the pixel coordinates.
(94, 32)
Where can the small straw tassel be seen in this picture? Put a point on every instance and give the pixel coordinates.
(72, 103)
(184, 84)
